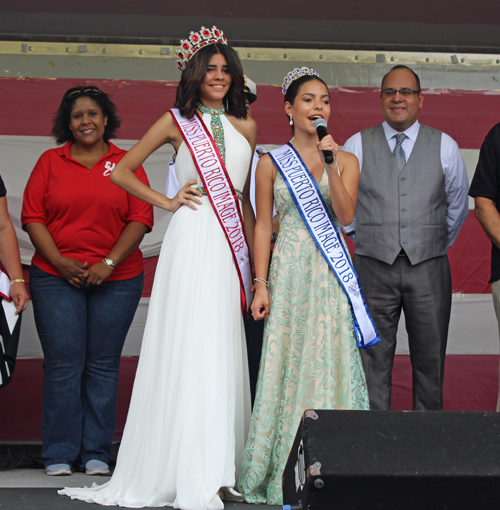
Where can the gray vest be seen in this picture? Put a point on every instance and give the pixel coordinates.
(401, 209)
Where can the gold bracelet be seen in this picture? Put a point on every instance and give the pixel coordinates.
(109, 265)
(18, 280)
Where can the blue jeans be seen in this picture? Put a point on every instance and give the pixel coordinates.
(82, 332)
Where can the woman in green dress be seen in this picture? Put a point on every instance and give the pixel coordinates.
(310, 359)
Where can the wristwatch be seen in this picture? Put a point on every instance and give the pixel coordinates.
(109, 263)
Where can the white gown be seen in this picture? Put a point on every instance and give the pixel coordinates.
(190, 408)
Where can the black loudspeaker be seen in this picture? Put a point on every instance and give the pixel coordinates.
(394, 460)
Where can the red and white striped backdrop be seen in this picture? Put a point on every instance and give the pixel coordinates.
(28, 105)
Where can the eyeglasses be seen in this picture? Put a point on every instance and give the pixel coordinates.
(403, 92)
(91, 91)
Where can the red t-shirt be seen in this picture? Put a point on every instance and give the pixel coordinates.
(83, 210)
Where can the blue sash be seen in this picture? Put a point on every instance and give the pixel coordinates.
(314, 212)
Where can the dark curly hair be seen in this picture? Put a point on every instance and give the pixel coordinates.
(61, 121)
(194, 74)
(294, 87)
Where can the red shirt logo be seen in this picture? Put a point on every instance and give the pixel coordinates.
(109, 168)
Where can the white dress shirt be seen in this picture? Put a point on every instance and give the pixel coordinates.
(455, 174)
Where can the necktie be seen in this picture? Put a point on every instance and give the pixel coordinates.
(398, 152)
(217, 129)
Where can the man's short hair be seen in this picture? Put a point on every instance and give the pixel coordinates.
(401, 66)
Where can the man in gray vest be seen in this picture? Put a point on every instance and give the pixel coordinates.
(412, 202)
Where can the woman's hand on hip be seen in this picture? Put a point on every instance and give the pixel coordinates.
(186, 196)
(72, 270)
(97, 273)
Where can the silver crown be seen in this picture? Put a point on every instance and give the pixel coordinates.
(297, 73)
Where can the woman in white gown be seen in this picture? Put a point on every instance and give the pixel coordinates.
(188, 417)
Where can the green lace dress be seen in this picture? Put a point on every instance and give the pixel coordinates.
(309, 358)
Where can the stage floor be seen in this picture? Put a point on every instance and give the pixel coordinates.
(25, 486)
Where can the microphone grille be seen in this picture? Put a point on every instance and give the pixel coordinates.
(320, 122)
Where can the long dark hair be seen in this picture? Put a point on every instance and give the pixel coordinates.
(294, 87)
(194, 74)
(60, 123)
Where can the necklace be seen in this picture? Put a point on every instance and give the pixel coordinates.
(216, 125)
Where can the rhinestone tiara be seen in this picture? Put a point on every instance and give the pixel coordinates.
(195, 42)
(297, 73)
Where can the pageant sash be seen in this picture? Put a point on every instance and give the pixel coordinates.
(5, 286)
(221, 194)
(323, 230)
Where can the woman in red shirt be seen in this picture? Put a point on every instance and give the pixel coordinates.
(86, 278)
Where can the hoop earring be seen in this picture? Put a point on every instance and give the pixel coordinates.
(291, 121)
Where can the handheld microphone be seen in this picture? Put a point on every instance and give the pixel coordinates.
(320, 127)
